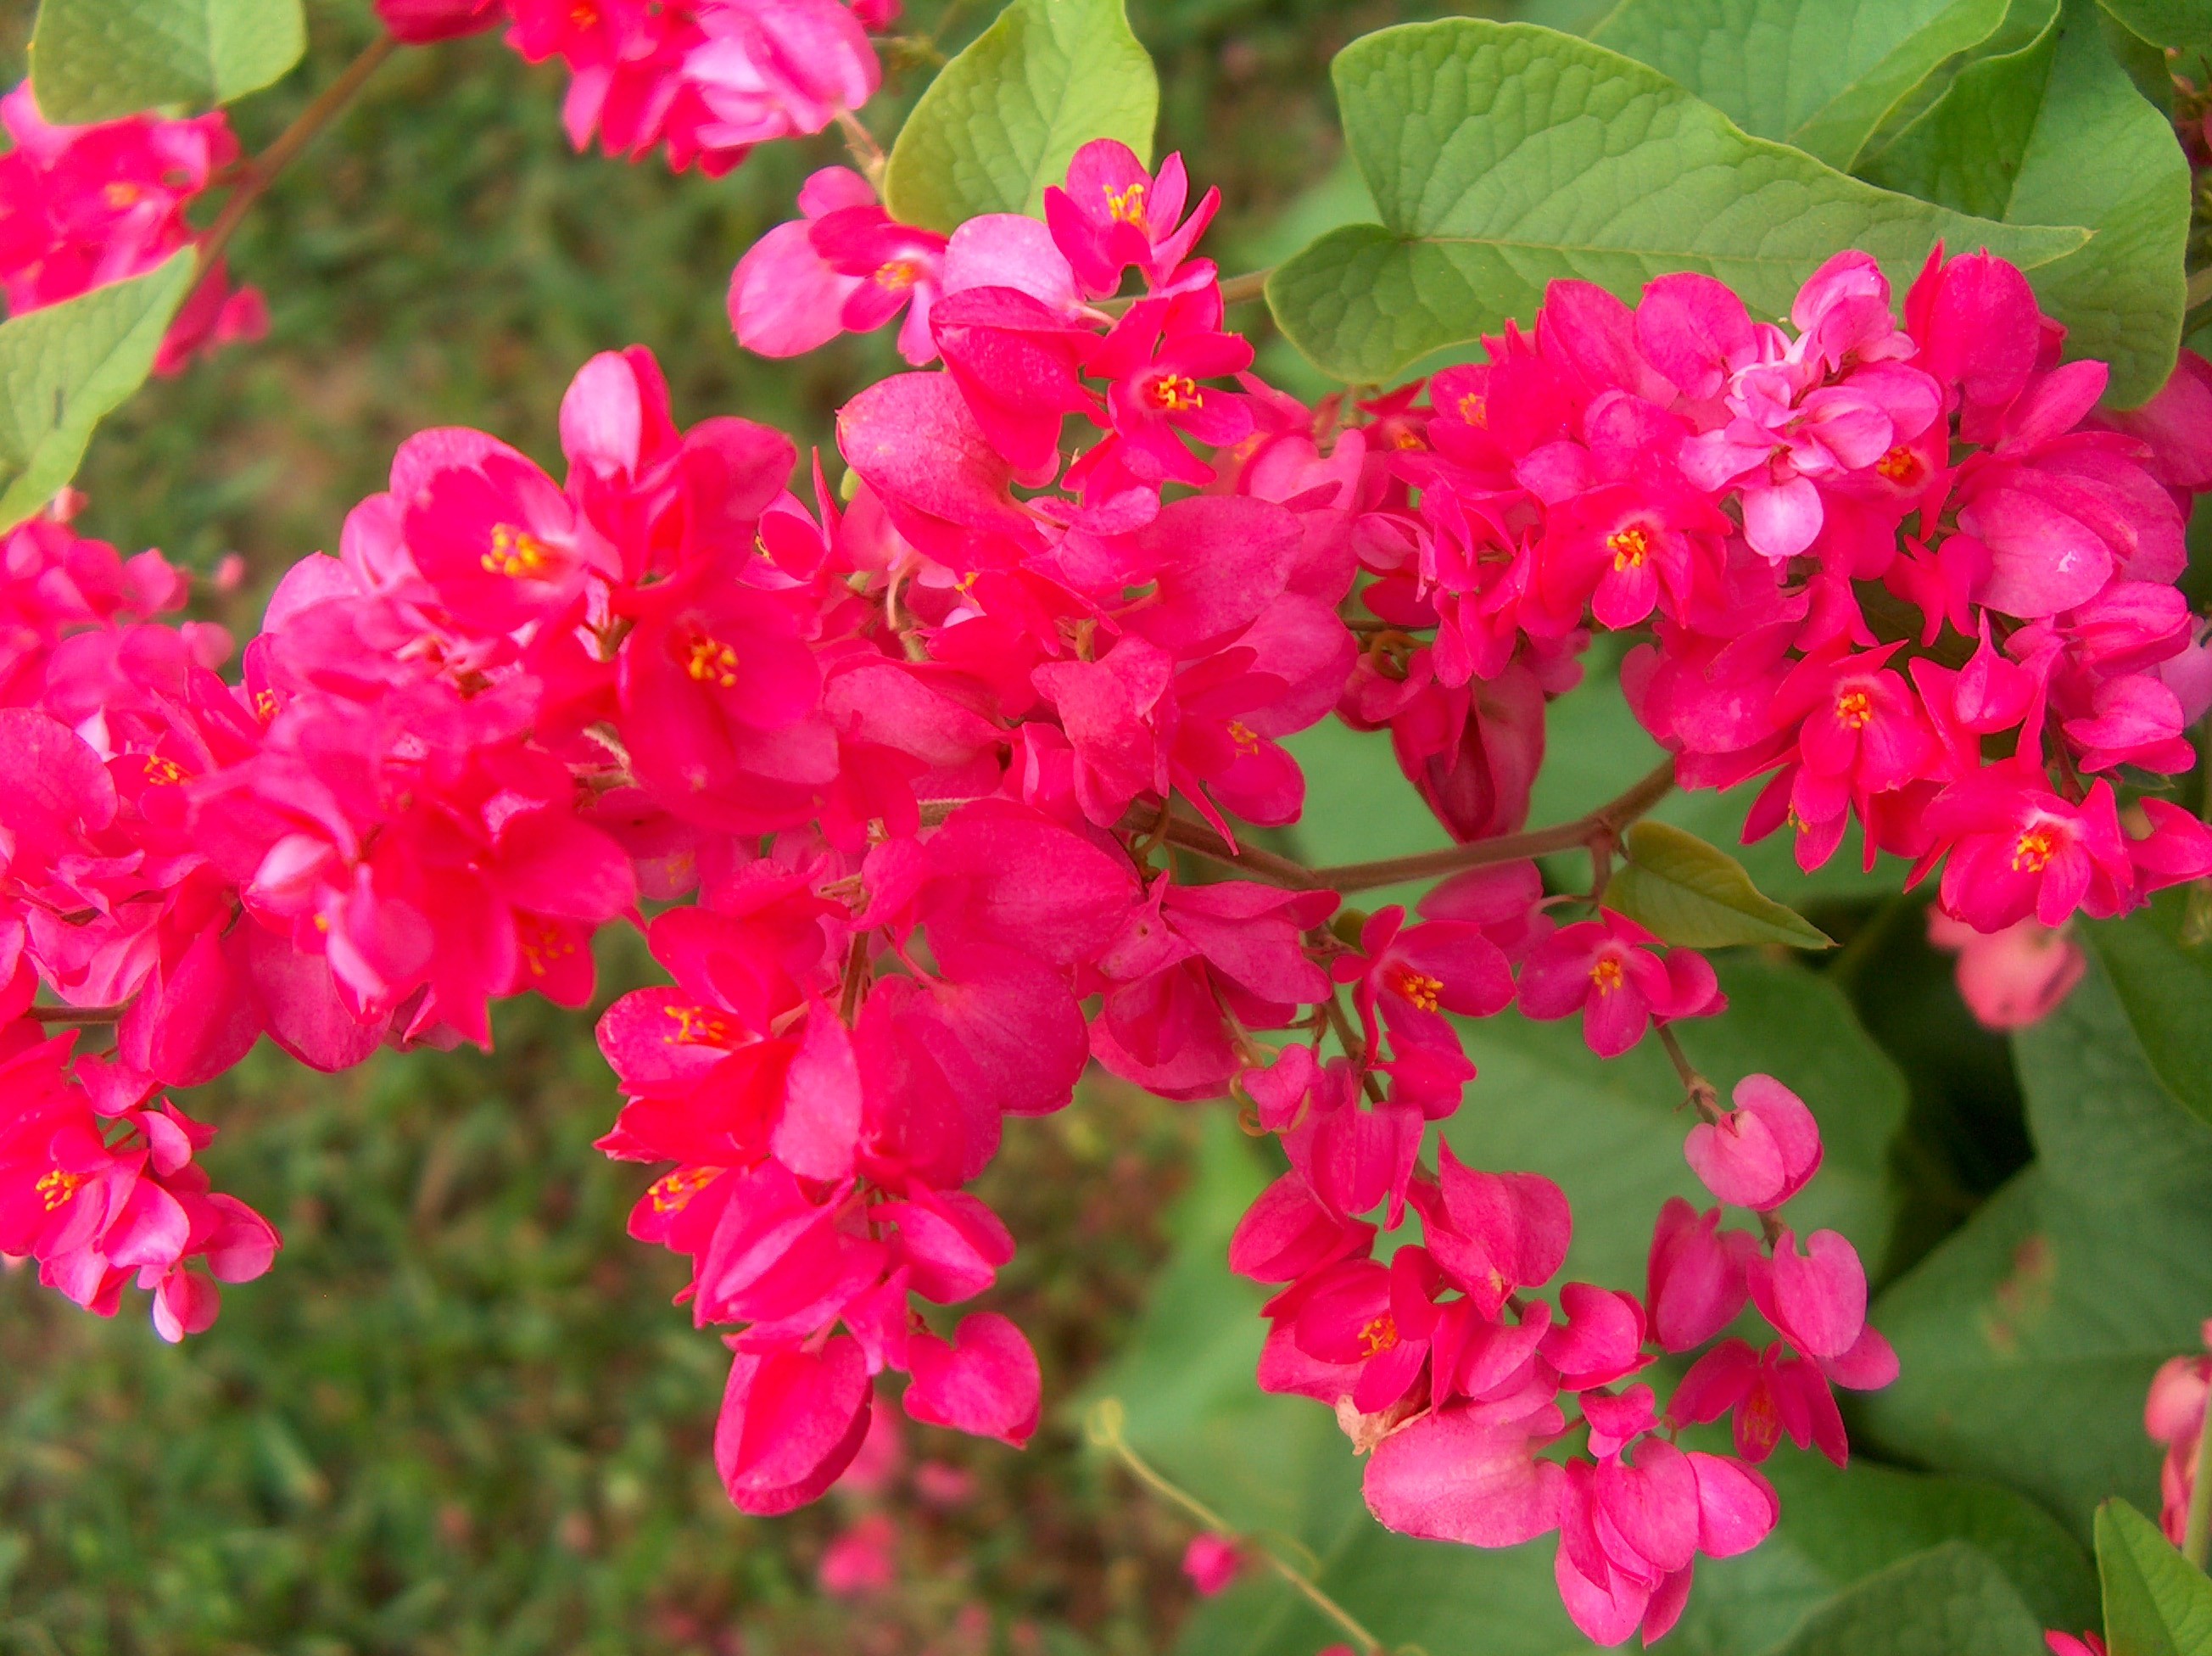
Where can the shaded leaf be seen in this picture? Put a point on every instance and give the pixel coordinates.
(1818, 74)
(2166, 990)
(1948, 1601)
(1503, 157)
(97, 60)
(2057, 133)
(64, 368)
(1679, 888)
(2156, 1602)
(2183, 23)
(2027, 1338)
(1004, 118)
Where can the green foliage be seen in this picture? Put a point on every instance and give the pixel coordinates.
(1948, 1601)
(2186, 24)
(96, 60)
(2027, 1338)
(2056, 133)
(64, 368)
(1818, 74)
(2156, 1602)
(1503, 157)
(1001, 121)
(1678, 887)
(2166, 990)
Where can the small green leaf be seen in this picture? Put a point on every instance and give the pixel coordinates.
(1003, 119)
(99, 60)
(2156, 1602)
(2183, 23)
(1690, 892)
(1502, 156)
(1818, 74)
(2057, 133)
(1951, 1599)
(65, 368)
(2166, 990)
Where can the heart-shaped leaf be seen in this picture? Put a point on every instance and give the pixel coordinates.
(1502, 156)
(1681, 888)
(1004, 118)
(99, 60)
(2156, 1602)
(2056, 133)
(1818, 74)
(63, 369)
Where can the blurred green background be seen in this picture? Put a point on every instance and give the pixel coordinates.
(461, 1416)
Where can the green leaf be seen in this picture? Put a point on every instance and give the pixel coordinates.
(1818, 74)
(1003, 119)
(1502, 156)
(2026, 1339)
(1948, 1601)
(2183, 23)
(97, 60)
(1679, 888)
(2057, 133)
(2165, 991)
(1611, 1134)
(63, 369)
(2156, 1602)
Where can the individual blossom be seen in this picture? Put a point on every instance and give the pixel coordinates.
(1620, 977)
(1212, 1563)
(2012, 978)
(847, 266)
(1760, 1153)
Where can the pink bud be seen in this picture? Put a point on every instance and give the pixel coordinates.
(1815, 1300)
(1212, 1563)
(1601, 1341)
(986, 1382)
(1694, 1284)
(1761, 1154)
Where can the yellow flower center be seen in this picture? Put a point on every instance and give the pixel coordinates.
(57, 1187)
(1474, 410)
(1900, 465)
(1855, 708)
(122, 193)
(541, 946)
(898, 275)
(671, 1192)
(1125, 206)
(1607, 975)
(1177, 393)
(2034, 849)
(1628, 547)
(696, 1027)
(515, 552)
(164, 772)
(710, 661)
(1419, 988)
(1378, 1336)
(1241, 734)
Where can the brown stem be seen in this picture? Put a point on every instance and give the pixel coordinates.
(1605, 822)
(256, 174)
(1704, 1096)
(1234, 291)
(1201, 841)
(84, 1015)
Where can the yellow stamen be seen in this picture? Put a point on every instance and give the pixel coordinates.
(1177, 393)
(1628, 547)
(57, 1187)
(164, 772)
(712, 662)
(1378, 1336)
(1607, 975)
(2034, 849)
(1901, 465)
(1419, 988)
(696, 1027)
(122, 193)
(1241, 734)
(1125, 206)
(1474, 410)
(897, 276)
(1855, 708)
(515, 552)
(672, 1192)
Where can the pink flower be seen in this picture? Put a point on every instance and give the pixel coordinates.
(1761, 1154)
(846, 267)
(1817, 1302)
(1212, 1563)
(1113, 213)
(420, 22)
(985, 1382)
(1614, 973)
(768, 68)
(1695, 1282)
(2089, 1643)
(1414, 975)
(862, 1560)
(2017, 850)
(2011, 978)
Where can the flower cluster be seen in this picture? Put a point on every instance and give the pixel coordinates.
(1902, 571)
(921, 777)
(703, 79)
(84, 206)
